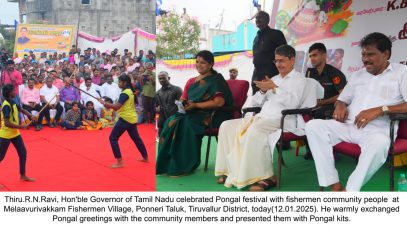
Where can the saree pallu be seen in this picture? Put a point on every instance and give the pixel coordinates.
(181, 138)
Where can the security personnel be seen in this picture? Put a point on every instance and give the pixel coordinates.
(332, 79)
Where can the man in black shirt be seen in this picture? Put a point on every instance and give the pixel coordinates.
(165, 99)
(332, 79)
(264, 45)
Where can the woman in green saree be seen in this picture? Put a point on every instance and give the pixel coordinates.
(180, 140)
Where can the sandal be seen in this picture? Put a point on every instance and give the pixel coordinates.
(221, 179)
(263, 185)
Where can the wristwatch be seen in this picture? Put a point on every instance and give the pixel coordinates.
(385, 110)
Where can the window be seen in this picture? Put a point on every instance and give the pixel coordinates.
(85, 2)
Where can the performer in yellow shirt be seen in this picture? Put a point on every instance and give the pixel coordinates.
(127, 121)
(9, 129)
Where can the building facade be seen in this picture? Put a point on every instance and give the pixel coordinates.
(105, 18)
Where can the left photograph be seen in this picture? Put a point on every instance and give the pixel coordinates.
(77, 82)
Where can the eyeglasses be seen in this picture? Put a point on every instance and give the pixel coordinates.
(279, 61)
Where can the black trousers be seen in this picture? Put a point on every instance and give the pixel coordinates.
(45, 113)
(148, 105)
(21, 151)
(119, 128)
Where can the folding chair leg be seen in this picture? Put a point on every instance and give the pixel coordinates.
(208, 148)
(391, 172)
(279, 162)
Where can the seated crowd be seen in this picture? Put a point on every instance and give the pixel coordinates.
(65, 89)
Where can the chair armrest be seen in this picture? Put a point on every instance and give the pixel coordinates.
(297, 111)
(398, 116)
(251, 109)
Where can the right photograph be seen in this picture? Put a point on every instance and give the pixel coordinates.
(280, 95)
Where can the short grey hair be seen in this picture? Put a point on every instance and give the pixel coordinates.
(285, 50)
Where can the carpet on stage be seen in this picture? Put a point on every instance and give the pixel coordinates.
(62, 160)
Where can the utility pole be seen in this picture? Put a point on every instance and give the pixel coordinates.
(221, 20)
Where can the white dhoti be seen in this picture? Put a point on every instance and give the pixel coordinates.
(243, 152)
(322, 135)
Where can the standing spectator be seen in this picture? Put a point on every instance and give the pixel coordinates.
(148, 97)
(141, 57)
(11, 76)
(264, 46)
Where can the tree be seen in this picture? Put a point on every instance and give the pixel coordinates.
(178, 36)
(9, 37)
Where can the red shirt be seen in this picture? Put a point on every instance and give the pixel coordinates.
(14, 77)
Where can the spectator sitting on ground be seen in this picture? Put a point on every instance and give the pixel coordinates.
(90, 118)
(72, 119)
(107, 116)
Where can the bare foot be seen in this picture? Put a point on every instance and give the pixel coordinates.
(181, 175)
(144, 160)
(337, 187)
(118, 164)
(27, 179)
(221, 179)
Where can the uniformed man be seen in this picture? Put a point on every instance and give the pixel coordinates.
(332, 79)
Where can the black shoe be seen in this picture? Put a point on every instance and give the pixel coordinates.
(51, 125)
(308, 156)
(38, 127)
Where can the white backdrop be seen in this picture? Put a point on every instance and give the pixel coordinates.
(133, 40)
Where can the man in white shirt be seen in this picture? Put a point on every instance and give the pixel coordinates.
(110, 89)
(91, 89)
(243, 153)
(49, 94)
(361, 116)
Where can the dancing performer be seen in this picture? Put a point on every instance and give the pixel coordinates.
(127, 121)
(9, 129)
